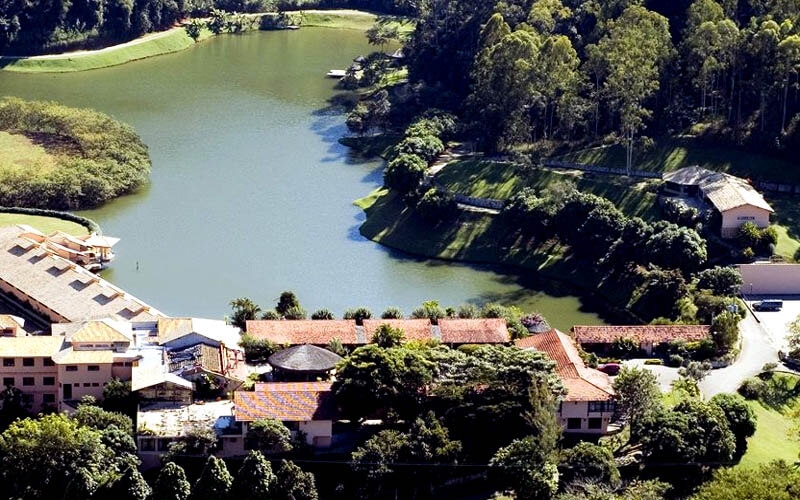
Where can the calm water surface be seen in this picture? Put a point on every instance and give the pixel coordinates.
(251, 194)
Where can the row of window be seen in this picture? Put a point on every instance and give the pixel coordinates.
(91, 368)
(10, 362)
(574, 424)
(28, 381)
(47, 398)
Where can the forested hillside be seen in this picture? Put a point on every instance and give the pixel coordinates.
(521, 70)
(32, 26)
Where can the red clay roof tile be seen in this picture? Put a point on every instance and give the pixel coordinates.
(285, 401)
(655, 334)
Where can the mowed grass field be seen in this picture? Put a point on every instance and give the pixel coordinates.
(173, 40)
(21, 152)
(674, 153)
(501, 180)
(44, 224)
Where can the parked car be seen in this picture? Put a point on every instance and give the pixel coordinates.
(768, 305)
(609, 368)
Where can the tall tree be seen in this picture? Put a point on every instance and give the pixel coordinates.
(638, 394)
(255, 480)
(293, 483)
(214, 482)
(636, 47)
(171, 483)
(243, 309)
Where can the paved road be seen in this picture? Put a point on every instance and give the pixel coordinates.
(758, 348)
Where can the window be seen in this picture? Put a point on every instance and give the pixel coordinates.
(27, 381)
(595, 423)
(95, 384)
(8, 361)
(49, 381)
(48, 398)
(147, 444)
(27, 399)
(574, 423)
(163, 444)
(49, 362)
(93, 368)
(28, 362)
(601, 406)
(72, 368)
(7, 381)
(87, 384)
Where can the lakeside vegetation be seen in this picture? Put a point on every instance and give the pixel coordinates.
(66, 158)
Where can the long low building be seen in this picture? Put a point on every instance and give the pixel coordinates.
(322, 332)
(589, 406)
(60, 290)
(649, 338)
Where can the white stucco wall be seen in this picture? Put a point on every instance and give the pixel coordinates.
(770, 279)
(580, 409)
(735, 217)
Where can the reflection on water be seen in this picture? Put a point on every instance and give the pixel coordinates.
(251, 193)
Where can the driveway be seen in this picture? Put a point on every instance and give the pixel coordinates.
(774, 322)
(665, 374)
(758, 348)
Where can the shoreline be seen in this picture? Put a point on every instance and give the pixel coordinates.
(545, 265)
(169, 41)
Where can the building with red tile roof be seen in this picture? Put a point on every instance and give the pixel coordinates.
(316, 332)
(321, 332)
(589, 405)
(474, 331)
(648, 337)
(413, 329)
(302, 406)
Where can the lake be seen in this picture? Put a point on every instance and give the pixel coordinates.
(251, 194)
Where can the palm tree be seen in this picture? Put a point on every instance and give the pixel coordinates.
(243, 309)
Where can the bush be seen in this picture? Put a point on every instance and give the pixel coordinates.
(392, 313)
(436, 205)
(753, 388)
(99, 158)
(725, 281)
(358, 314)
(624, 347)
(405, 172)
(257, 351)
(323, 314)
(427, 147)
(675, 360)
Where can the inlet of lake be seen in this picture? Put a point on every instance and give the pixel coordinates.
(251, 194)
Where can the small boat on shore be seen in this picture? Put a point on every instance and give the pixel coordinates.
(336, 73)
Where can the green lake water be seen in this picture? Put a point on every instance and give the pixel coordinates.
(250, 192)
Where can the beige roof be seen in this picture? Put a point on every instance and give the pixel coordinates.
(105, 330)
(66, 288)
(726, 192)
(9, 321)
(19, 347)
(142, 378)
(170, 329)
(69, 356)
(95, 240)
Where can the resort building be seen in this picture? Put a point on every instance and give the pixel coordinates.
(60, 290)
(453, 332)
(733, 197)
(649, 338)
(307, 407)
(588, 407)
(92, 251)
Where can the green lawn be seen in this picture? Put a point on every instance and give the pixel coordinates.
(500, 180)
(20, 152)
(675, 153)
(775, 438)
(349, 19)
(44, 224)
(174, 40)
(787, 222)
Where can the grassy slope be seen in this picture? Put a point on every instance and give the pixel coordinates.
(44, 224)
(175, 40)
(478, 238)
(775, 438)
(672, 154)
(488, 179)
(787, 218)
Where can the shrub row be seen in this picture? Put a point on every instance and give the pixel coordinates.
(89, 224)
